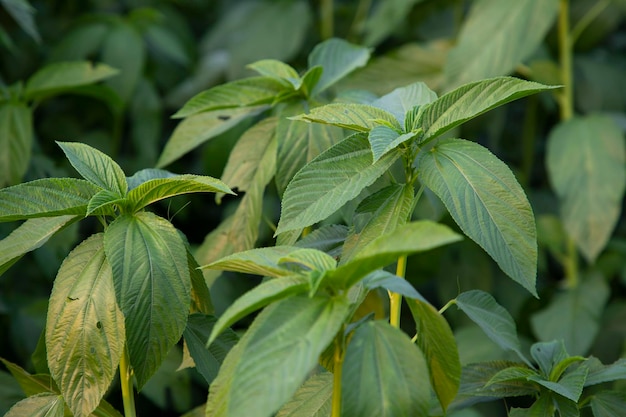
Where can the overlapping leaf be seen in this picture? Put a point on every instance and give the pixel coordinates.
(261, 261)
(61, 76)
(359, 117)
(313, 398)
(338, 58)
(16, 137)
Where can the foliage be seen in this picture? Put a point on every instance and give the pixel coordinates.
(386, 153)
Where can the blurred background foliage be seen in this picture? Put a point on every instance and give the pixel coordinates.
(166, 51)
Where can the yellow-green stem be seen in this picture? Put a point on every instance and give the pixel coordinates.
(395, 299)
(126, 380)
(326, 16)
(337, 369)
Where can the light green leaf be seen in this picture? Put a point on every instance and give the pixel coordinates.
(95, 166)
(495, 321)
(29, 236)
(159, 189)
(40, 405)
(403, 99)
(608, 403)
(85, 328)
(263, 294)
(586, 161)
(486, 201)
(207, 359)
(383, 374)
(338, 58)
(197, 129)
(378, 214)
(247, 92)
(574, 315)
(123, 48)
(413, 237)
(359, 117)
(495, 38)
(313, 398)
(299, 143)
(329, 181)
(277, 70)
(391, 282)
(310, 80)
(382, 139)
(471, 100)
(275, 356)
(102, 200)
(31, 384)
(244, 161)
(152, 285)
(55, 78)
(261, 261)
(436, 341)
(47, 197)
(24, 14)
(599, 373)
(147, 174)
(16, 138)
(310, 259)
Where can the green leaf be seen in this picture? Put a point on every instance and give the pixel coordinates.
(587, 167)
(29, 236)
(40, 405)
(378, 214)
(200, 295)
(486, 201)
(401, 100)
(495, 321)
(310, 259)
(277, 70)
(385, 19)
(391, 282)
(45, 198)
(382, 139)
(152, 285)
(310, 80)
(24, 14)
(55, 78)
(197, 129)
(207, 359)
(261, 261)
(436, 341)
(383, 374)
(548, 355)
(85, 328)
(147, 174)
(338, 58)
(329, 181)
(413, 237)
(159, 189)
(275, 356)
(16, 137)
(569, 386)
(543, 407)
(471, 100)
(263, 294)
(247, 92)
(511, 374)
(299, 143)
(359, 117)
(31, 384)
(96, 167)
(102, 200)
(313, 398)
(599, 373)
(123, 48)
(327, 239)
(574, 315)
(495, 38)
(608, 403)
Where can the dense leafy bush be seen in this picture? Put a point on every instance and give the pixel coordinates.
(338, 126)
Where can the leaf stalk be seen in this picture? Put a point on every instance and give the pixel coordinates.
(126, 378)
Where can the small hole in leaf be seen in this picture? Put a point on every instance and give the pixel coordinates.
(99, 325)
(223, 117)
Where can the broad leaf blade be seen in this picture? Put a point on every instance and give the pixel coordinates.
(29, 236)
(474, 99)
(199, 128)
(152, 285)
(54, 78)
(391, 282)
(275, 356)
(31, 384)
(338, 58)
(261, 261)
(599, 373)
(608, 403)
(85, 328)
(436, 341)
(241, 93)
(162, 188)
(16, 137)
(96, 167)
(102, 200)
(403, 99)
(313, 398)
(257, 298)
(382, 139)
(40, 405)
(495, 321)
(495, 38)
(359, 117)
(329, 181)
(277, 70)
(587, 167)
(383, 374)
(47, 197)
(123, 48)
(486, 201)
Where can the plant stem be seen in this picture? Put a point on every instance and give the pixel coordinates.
(326, 15)
(126, 381)
(337, 370)
(586, 20)
(359, 18)
(395, 299)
